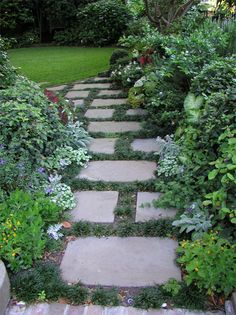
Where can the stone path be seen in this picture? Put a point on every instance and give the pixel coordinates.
(113, 261)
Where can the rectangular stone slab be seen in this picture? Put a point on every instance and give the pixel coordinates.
(103, 145)
(109, 92)
(76, 94)
(84, 86)
(118, 171)
(146, 211)
(95, 206)
(115, 261)
(145, 145)
(108, 102)
(57, 88)
(114, 126)
(99, 113)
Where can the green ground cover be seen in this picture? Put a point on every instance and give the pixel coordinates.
(56, 65)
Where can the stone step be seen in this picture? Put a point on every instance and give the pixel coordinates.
(114, 126)
(79, 103)
(56, 88)
(145, 210)
(145, 145)
(136, 112)
(124, 262)
(77, 94)
(99, 102)
(65, 309)
(103, 145)
(99, 113)
(95, 206)
(85, 86)
(118, 171)
(109, 92)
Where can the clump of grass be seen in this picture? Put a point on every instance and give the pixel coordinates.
(104, 297)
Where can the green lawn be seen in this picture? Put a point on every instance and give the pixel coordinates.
(55, 65)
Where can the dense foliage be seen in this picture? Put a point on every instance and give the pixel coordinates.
(38, 141)
(187, 84)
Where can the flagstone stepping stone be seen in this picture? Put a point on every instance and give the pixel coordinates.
(84, 86)
(78, 103)
(114, 126)
(118, 171)
(145, 145)
(109, 92)
(116, 261)
(95, 206)
(136, 112)
(57, 88)
(146, 211)
(108, 102)
(75, 94)
(98, 79)
(103, 145)
(99, 113)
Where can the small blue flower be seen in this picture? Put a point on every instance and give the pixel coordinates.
(2, 161)
(48, 190)
(41, 170)
(2, 146)
(20, 166)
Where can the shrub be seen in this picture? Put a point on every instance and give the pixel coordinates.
(216, 76)
(102, 22)
(23, 217)
(7, 72)
(209, 263)
(118, 54)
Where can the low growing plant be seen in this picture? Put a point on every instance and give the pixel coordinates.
(209, 263)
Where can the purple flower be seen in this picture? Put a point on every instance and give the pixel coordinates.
(2, 161)
(48, 190)
(41, 170)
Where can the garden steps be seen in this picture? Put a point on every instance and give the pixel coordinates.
(114, 126)
(122, 262)
(103, 145)
(118, 171)
(65, 309)
(106, 102)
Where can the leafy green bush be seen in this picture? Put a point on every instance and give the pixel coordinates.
(217, 76)
(209, 263)
(118, 54)
(7, 72)
(102, 22)
(23, 218)
(70, 37)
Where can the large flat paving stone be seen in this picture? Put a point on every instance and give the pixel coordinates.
(109, 92)
(103, 145)
(75, 94)
(78, 103)
(84, 86)
(99, 113)
(118, 171)
(108, 102)
(57, 88)
(4, 288)
(145, 145)
(146, 211)
(95, 206)
(136, 112)
(114, 126)
(115, 261)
